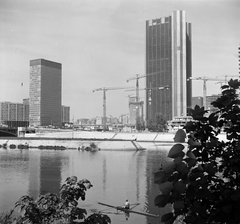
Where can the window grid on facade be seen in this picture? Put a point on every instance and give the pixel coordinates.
(168, 63)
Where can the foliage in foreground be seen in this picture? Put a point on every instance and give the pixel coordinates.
(51, 208)
(202, 182)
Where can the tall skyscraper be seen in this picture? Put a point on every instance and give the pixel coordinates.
(239, 60)
(45, 93)
(168, 66)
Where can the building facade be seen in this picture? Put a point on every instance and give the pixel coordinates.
(197, 100)
(65, 114)
(168, 66)
(239, 60)
(133, 106)
(45, 95)
(209, 100)
(14, 114)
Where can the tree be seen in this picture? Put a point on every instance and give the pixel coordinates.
(140, 126)
(202, 182)
(158, 124)
(51, 208)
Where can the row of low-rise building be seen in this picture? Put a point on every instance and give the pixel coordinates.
(17, 114)
(44, 106)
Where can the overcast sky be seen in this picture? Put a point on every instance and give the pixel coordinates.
(101, 43)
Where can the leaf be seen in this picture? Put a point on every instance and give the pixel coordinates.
(191, 162)
(234, 83)
(169, 166)
(178, 160)
(210, 169)
(161, 200)
(182, 168)
(168, 218)
(71, 180)
(180, 187)
(178, 205)
(74, 203)
(190, 218)
(213, 119)
(193, 143)
(180, 136)
(159, 177)
(166, 187)
(191, 155)
(175, 151)
(235, 195)
(198, 113)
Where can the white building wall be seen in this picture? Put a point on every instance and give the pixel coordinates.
(179, 106)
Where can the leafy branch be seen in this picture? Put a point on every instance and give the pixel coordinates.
(51, 208)
(202, 181)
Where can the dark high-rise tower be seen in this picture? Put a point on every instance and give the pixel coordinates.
(239, 60)
(45, 93)
(168, 66)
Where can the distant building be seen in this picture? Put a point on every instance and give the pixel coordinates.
(14, 114)
(112, 120)
(65, 114)
(209, 100)
(197, 100)
(168, 64)
(239, 60)
(45, 93)
(99, 121)
(124, 119)
(133, 106)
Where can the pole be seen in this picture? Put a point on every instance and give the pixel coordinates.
(104, 109)
(204, 93)
(137, 100)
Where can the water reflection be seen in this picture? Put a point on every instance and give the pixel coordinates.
(115, 175)
(34, 174)
(50, 173)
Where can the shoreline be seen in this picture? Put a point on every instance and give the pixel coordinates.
(82, 140)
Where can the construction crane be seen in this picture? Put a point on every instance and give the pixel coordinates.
(229, 77)
(137, 77)
(105, 89)
(205, 79)
(140, 104)
(153, 88)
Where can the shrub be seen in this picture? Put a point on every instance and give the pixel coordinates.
(54, 209)
(202, 182)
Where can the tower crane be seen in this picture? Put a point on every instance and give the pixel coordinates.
(229, 77)
(150, 92)
(137, 77)
(205, 79)
(105, 89)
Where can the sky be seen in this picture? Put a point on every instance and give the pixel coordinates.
(101, 43)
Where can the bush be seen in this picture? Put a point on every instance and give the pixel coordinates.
(202, 183)
(54, 209)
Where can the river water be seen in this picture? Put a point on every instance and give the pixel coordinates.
(115, 176)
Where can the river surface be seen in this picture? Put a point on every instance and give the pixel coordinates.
(115, 176)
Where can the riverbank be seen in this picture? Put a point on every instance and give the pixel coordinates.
(82, 140)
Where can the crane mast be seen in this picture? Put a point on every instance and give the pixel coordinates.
(104, 89)
(205, 79)
(137, 77)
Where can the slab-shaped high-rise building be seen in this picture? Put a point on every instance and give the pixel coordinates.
(168, 66)
(45, 98)
(239, 60)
